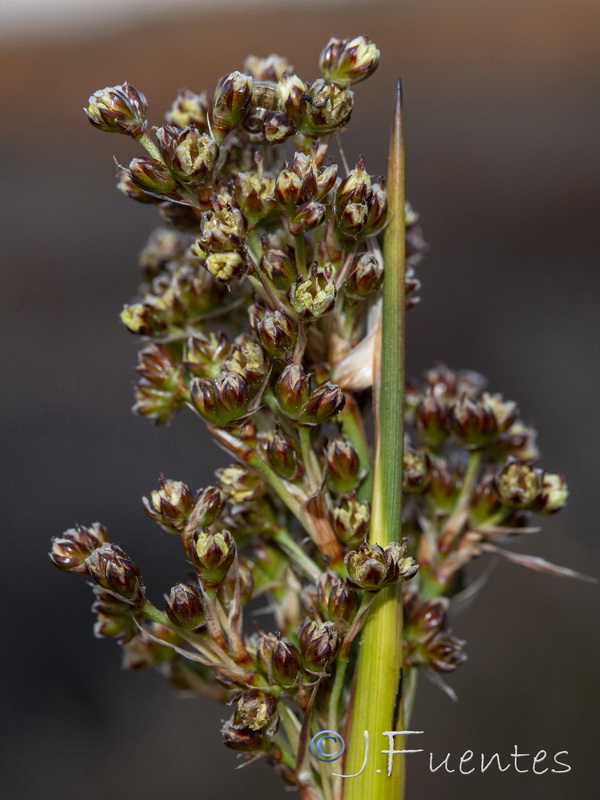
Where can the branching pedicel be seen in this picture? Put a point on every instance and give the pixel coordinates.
(262, 315)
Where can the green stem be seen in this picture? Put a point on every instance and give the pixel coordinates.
(297, 554)
(353, 427)
(380, 658)
(300, 255)
(336, 693)
(277, 485)
(308, 457)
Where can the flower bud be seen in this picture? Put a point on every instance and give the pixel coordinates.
(319, 645)
(484, 501)
(292, 391)
(70, 550)
(184, 606)
(141, 652)
(324, 403)
(118, 109)
(342, 604)
(160, 390)
(212, 555)
(519, 485)
(189, 154)
(226, 266)
(351, 520)
(276, 331)
(365, 277)
(481, 422)
(342, 465)
(231, 101)
(285, 663)
(244, 739)
(432, 418)
(209, 505)
(322, 108)
(313, 297)
(415, 474)
(253, 193)
(348, 61)
(278, 127)
(283, 456)
(222, 401)
(553, 496)
(170, 505)
(271, 68)
(223, 229)
(372, 567)
(110, 604)
(306, 217)
(279, 267)
(151, 176)
(205, 354)
(112, 569)
(248, 360)
(131, 190)
(240, 484)
(190, 109)
(257, 711)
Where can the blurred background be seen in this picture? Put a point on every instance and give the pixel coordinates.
(502, 118)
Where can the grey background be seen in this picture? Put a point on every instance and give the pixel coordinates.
(502, 145)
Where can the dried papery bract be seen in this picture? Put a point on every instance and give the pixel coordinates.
(270, 312)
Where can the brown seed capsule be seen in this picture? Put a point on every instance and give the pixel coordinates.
(319, 645)
(70, 550)
(112, 569)
(184, 606)
(118, 109)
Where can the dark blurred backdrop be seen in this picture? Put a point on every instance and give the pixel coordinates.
(502, 119)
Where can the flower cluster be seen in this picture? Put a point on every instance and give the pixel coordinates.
(259, 313)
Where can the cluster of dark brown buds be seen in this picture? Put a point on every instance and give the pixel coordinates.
(259, 313)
